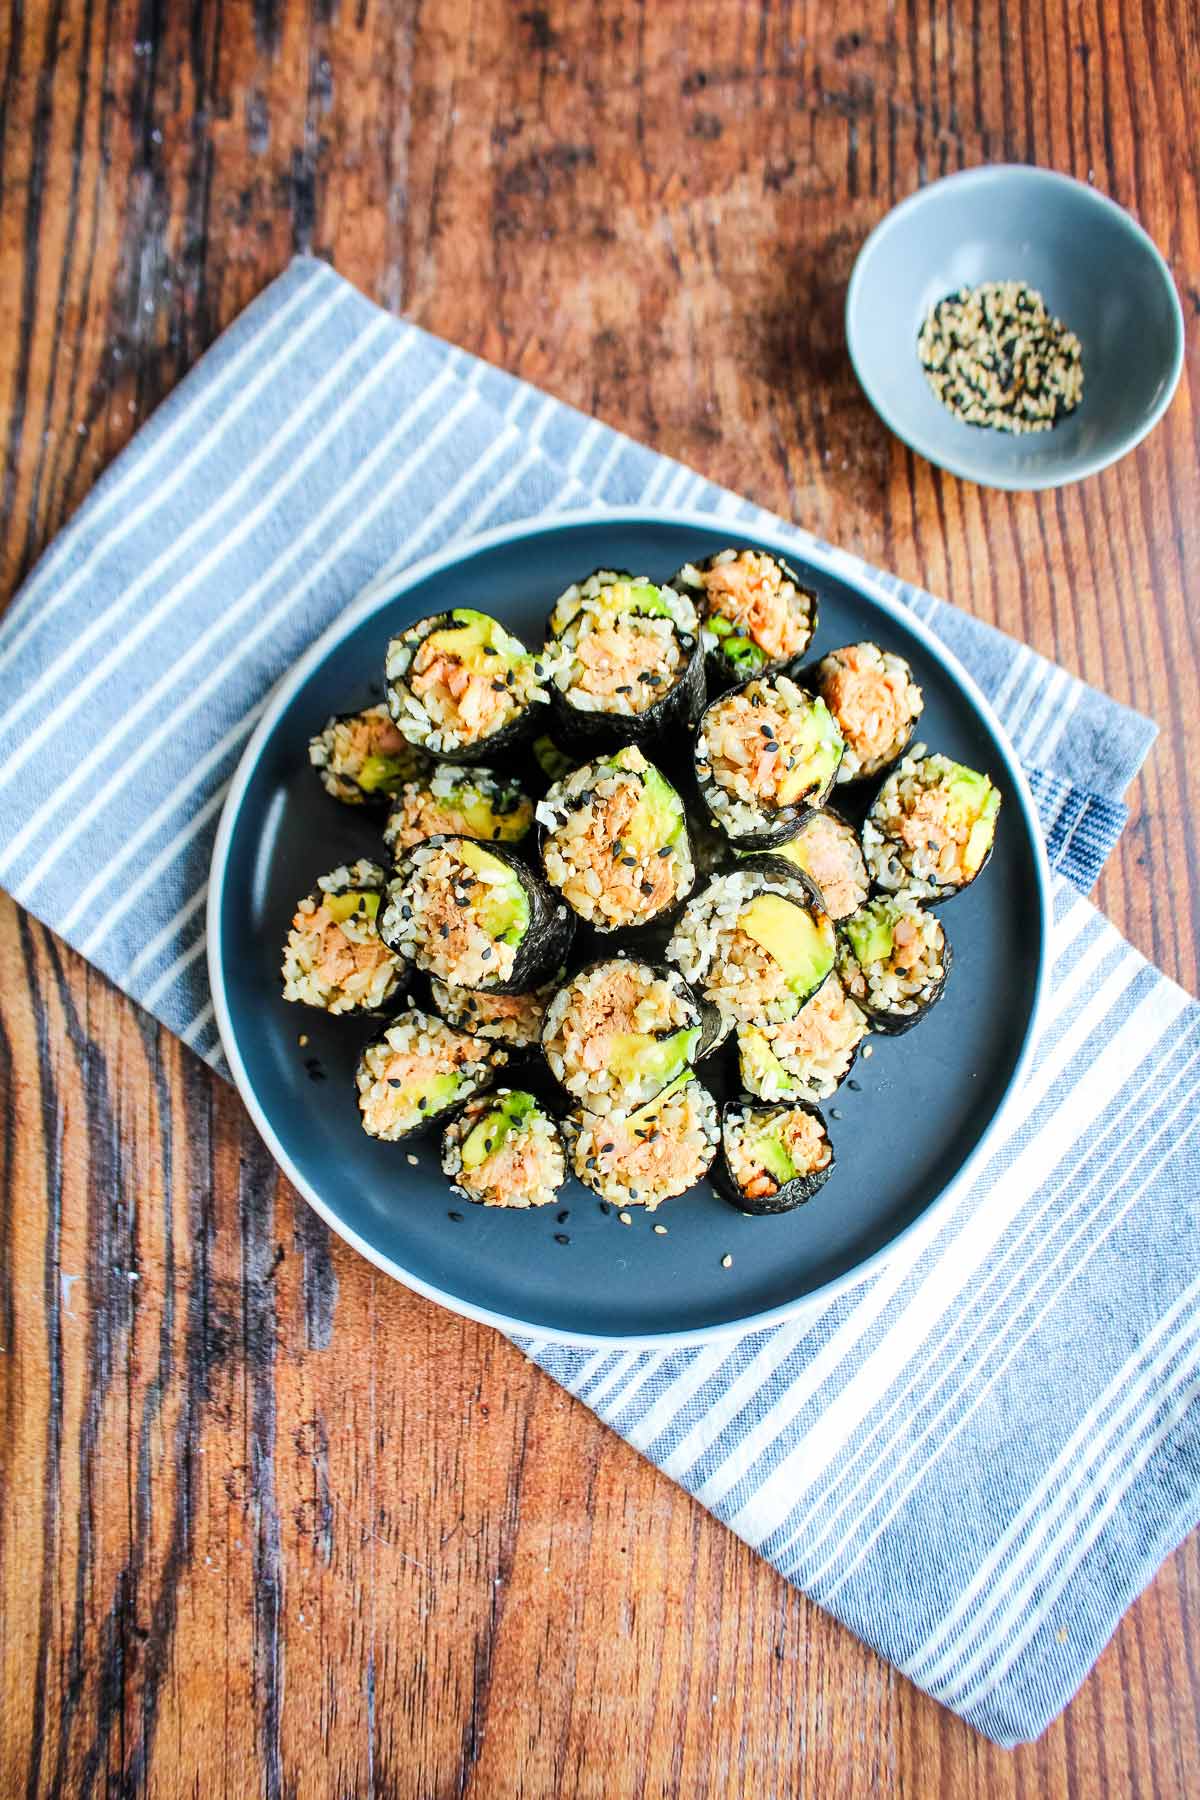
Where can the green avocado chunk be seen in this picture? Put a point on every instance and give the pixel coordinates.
(658, 817)
(974, 798)
(343, 906)
(773, 1157)
(801, 942)
(437, 1093)
(494, 1129)
(504, 911)
(475, 638)
(758, 1062)
(870, 932)
(637, 1057)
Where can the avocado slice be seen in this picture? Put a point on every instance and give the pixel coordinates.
(495, 1128)
(504, 908)
(802, 943)
(870, 932)
(774, 1158)
(344, 906)
(658, 817)
(380, 772)
(472, 636)
(635, 1056)
(817, 755)
(757, 1061)
(437, 1093)
(484, 821)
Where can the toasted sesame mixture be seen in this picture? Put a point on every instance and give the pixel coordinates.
(437, 913)
(901, 981)
(594, 853)
(603, 1028)
(929, 833)
(457, 802)
(418, 1068)
(800, 1133)
(752, 608)
(765, 746)
(715, 954)
(654, 1154)
(996, 356)
(816, 1047)
(362, 758)
(827, 849)
(526, 1167)
(334, 958)
(445, 699)
(875, 703)
(513, 1019)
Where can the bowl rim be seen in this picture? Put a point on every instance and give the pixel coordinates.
(966, 468)
(380, 592)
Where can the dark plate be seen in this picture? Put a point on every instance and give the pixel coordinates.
(926, 1104)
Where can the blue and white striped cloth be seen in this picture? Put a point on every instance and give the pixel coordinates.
(976, 1458)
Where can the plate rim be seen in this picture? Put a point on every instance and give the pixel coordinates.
(381, 590)
(964, 468)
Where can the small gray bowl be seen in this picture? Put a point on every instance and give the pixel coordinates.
(1099, 273)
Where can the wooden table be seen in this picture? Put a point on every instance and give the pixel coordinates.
(270, 1523)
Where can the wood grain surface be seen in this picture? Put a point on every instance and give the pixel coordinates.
(271, 1524)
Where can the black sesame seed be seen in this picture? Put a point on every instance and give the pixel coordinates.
(456, 1216)
(486, 955)
(394, 1081)
(767, 731)
(625, 688)
(605, 1148)
(422, 1103)
(630, 862)
(539, 669)
(855, 1087)
(406, 912)
(633, 1193)
(604, 1208)
(647, 887)
(564, 1215)
(768, 748)
(560, 1237)
(490, 650)
(665, 851)
(618, 846)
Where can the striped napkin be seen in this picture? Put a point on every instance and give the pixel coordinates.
(977, 1457)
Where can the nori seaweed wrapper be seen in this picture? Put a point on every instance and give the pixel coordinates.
(507, 737)
(724, 673)
(678, 709)
(791, 1193)
(544, 944)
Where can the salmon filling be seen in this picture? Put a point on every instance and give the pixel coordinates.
(622, 667)
(334, 958)
(827, 850)
(875, 702)
(799, 1135)
(753, 611)
(654, 1154)
(362, 758)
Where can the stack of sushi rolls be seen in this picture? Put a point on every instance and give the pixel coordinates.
(683, 883)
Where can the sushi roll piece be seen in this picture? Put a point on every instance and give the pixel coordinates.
(626, 665)
(362, 759)
(620, 1031)
(418, 1069)
(614, 842)
(755, 943)
(766, 755)
(474, 916)
(893, 960)
(503, 1149)
(572, 600)
(805, 1057)
(334, 958)
(755, 613)
(875, 704)
(655, 1153)
(772, 1157)
(931, 829)
(456, 801)
(514, 1020)
(461, 687)
(827, 850)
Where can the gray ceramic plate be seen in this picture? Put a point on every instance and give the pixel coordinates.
(920, 1120)
(1098, 271)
